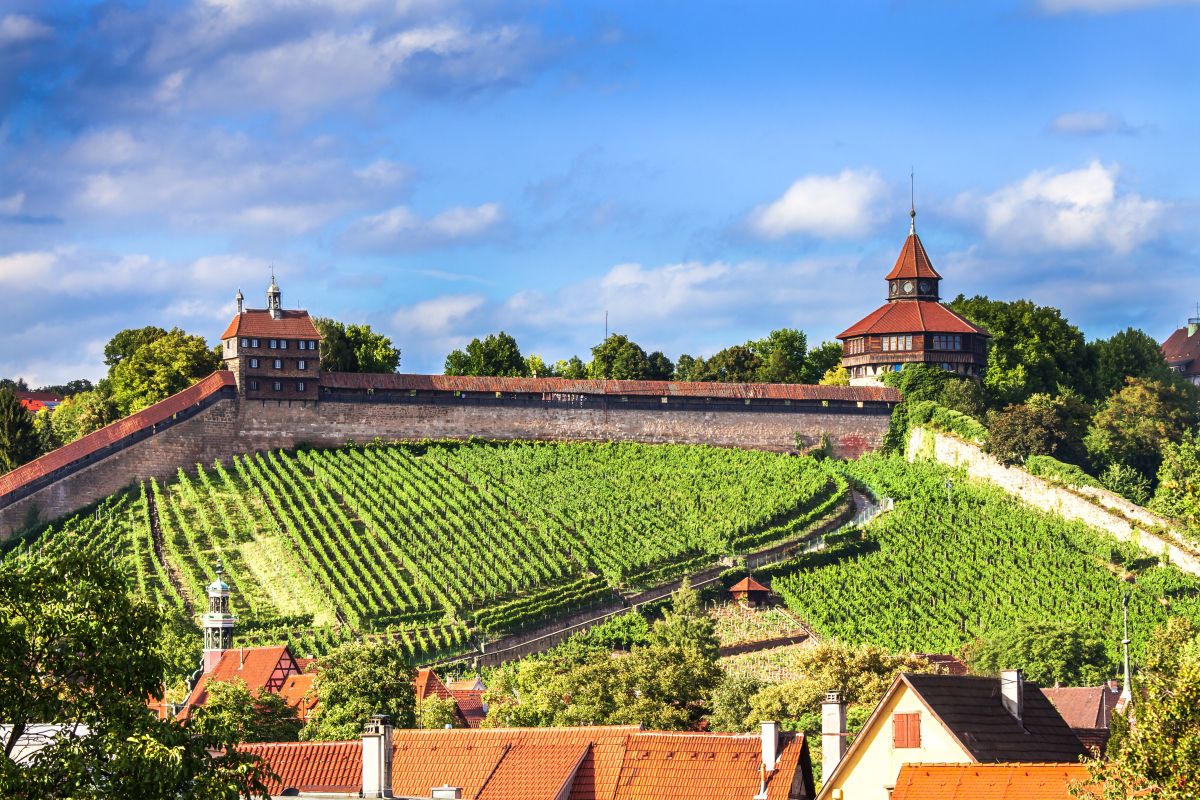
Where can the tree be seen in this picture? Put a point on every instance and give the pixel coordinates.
(660, 367)
(356, 681)
(537, 368)
(1048, 653)
(1129, 354)
(1032, 349)
(495, 355)
(127, 342)
(1137, 422)
(685, 624)
(836, 376)
(436, 712)
(1178, 493)
(70, 388)
(43, 431)
(1021, 431)
(731, 702)
(781, 356)
(572, 369)
(77, 649)
(80, 415)
(18, 385)
(232, 713)
(618, 358)
(18, 439)
(158, 369)
(737, 364)
(1126, 481)
(355, 348)
(820, 360)
(1154, 750)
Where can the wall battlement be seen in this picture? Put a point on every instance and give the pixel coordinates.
(210, 422)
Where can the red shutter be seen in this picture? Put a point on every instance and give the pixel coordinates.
(914, 730)
(906, 730)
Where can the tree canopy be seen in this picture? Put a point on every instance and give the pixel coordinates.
(1134, 425)
(232, 713)
(356, 681)
(497, 354)
(157, 368)
(355, 348)
(1048, 653)
(18, 440)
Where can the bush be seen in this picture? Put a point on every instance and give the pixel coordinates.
(932, 415)
(1056, 471)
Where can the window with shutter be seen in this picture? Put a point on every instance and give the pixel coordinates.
(906, 730)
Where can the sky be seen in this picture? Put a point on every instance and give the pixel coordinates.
(700, 172)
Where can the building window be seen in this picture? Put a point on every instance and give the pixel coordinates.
(283, 344)
(947, 342)
(254, 342)
(299, 386)
(252, 384)
(891, 343)
(277, 386)
(312, 345)
(245, 342)
(906, 730)
(274, 344)
(856, 345)
(302, 364)
(254, 363)
(279, 363)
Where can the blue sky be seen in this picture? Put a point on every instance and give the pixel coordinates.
(704, 172)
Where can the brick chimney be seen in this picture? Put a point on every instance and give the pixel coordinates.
(377, 757)
(1012, 692)
(833, 733)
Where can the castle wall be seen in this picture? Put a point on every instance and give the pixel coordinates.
(229, 427)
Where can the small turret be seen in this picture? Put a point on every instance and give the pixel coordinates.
(218, 622)
(241, 302)
(274, 296)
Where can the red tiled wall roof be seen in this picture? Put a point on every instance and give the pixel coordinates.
(312, 766)
(111, 434)
(292, 324)
(1014, 781)
(911, 316)
(254, 665)
(737, 391)
(913, 261)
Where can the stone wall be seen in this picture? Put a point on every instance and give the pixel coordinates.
(231, 427)
(1114, 514)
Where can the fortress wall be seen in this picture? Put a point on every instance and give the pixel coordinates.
(231, 427)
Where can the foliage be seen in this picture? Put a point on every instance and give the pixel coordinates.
(43, 431)
(356, 681)
(179, 646)
(1127, 482)
(124, 344)
(76, 649)
(70, 388)
(685, 624)
(80, 415)
(158, 369)
(18, 385)
(1048, 653)
(835, 376)
(620, 632)
(18, 439)
(780, 357)
(1134, 424)
(1021, 431)
(537, 368)
(660, 367)
(497, 354)
(435, 712)
(821, 359)
(1032, 349)
(233, 714)
(355, 348)
(1155, 747)
(1178, 492)
(572, 369)
(952, 562)
(1054, 470)
(935, 416)
(731, 702)
(1130, 353)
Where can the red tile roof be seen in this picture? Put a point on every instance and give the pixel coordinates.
(1182, 350)
(111, 434)
(470, 705)
(292, 324)
(1014, 781)
(41, 397)
(587, 763)
(257, 666)
(748, 584)
(297, 692)
(312, 766)
(1085, 706)
(911, 316)
(428, 684)
(913, 261)
(951, 664)
(738, 391)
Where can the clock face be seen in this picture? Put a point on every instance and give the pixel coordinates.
(924, 286)
(908, 286)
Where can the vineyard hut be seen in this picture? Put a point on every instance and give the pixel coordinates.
(912, 327)
(750, 592)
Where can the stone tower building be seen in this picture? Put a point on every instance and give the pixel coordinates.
(218, 622)
(273, 352)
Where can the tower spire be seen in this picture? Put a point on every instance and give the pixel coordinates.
(912, 201)
(218, 622)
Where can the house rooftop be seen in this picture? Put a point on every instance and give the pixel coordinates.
(1013, 781)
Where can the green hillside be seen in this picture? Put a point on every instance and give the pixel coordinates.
(438, 542)
(954, 562)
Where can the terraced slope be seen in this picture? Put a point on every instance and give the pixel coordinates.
(441, 540)
(955, 561)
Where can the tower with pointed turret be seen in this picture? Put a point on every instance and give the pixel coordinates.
(273, 352)
(912, 326)
(218, 622)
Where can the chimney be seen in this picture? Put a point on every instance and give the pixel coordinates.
(377, 757)
(1012, 692)
(833, 733)
(770, 755)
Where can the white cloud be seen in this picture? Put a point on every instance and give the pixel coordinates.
(1089, 123)
(1075, 210)
(438, 316)
(17, 28)
(403, 229)
(1107, 6)
(12, 204)
(839, 205)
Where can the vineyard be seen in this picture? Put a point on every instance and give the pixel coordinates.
(435, 543)
(958, 559)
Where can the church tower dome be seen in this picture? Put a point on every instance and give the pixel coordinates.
(218, 622)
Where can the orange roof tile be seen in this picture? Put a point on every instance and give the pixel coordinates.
(254, 665)
(912, 316)
(297, 692)
(470, 705)
(1012, 781)
(111, 434)
(748, 584)
(662, 766)
(913, 261)
(1084, 706)
(292, 324)
(466, 684)
(427, 684)
(312, 766)
(736, 391)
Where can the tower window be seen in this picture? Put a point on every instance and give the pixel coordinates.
(947, 342)
(245, 342)
(277, 386)
(891, 343)
(279, 363)
(299, 386)
(254, 363)
(283, 344)
(252, 385)
(302, 364)
(254, 342)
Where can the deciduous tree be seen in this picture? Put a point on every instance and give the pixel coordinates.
(356, 681)
(80, 415)
(1047, 653)
(355, 348)
(1178, 493)
(1135, 423)
(495, 355)
(158, 369)
(618, 358)
(233, 714)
